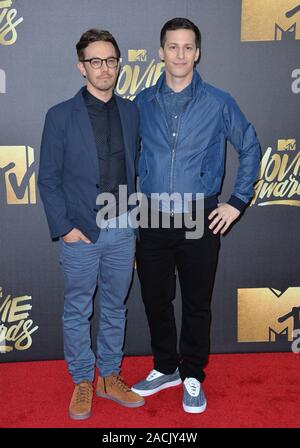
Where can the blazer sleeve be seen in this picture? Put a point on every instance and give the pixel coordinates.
(50, 178)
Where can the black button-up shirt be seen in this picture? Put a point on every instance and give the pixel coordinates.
(107, 128)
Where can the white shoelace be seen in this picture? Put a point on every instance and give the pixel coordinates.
(193, 386)
(153, 375)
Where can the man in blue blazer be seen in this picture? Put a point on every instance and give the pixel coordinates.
(89, 147)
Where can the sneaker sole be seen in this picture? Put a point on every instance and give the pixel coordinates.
(194, 409)
(122, 403)
(80, 416)
(147, 393)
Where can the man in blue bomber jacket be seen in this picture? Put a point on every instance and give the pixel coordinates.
(184, 124)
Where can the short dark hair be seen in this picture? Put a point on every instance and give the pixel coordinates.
(95, 35)
(177, 24)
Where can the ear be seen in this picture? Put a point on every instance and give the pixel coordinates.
(197, 55)
(161, 53)
(81, 68)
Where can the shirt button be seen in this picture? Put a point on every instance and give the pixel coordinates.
(175, 116)
(174, 134)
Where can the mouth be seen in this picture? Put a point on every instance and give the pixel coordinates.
(103, 78)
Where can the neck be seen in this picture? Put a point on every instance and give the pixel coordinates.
(103, 95)
(178, 84)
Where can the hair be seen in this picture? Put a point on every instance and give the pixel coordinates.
(177, 24)
(95, 35)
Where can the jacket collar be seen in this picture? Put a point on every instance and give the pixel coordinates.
(79, 102)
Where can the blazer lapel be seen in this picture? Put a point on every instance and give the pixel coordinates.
(84, 124)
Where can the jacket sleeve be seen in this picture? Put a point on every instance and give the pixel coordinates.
(50, 179)
(241, 134)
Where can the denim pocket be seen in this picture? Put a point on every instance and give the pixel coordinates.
(74, 243)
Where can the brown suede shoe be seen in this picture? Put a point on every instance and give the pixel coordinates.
(81, 402)
(114, 388)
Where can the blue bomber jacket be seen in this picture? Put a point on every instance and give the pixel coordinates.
(194, 162)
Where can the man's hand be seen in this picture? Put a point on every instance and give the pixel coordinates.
(75, 235)
(223, 215)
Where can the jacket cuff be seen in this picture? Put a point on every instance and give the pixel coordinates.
(237, 203)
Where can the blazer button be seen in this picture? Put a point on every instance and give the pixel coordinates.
(202, 174)
(95, 210)
(97, 186)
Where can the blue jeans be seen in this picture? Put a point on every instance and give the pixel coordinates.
(108, 263)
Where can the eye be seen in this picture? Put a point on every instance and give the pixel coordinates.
(95, 62)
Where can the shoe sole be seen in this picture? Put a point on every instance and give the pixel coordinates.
(122, 403)
(194, 409)
(147, 393)
(80, 416)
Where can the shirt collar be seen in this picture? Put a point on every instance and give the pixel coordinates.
(186, 92)
(91, 100)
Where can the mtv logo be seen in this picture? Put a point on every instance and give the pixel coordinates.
(17, 175)
(286, 145)
(2, 81)
(267, 315)
(137, 55)
(270, 20)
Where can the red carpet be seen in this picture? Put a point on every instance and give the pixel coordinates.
(243, 391)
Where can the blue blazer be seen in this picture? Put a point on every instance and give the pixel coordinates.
(68, 173)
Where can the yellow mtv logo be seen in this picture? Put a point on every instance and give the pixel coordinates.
(267, 20)
(137, 55)
(286, 145)
(267, 315)
(17, 175)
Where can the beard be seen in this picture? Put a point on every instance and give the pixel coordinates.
(105, 83)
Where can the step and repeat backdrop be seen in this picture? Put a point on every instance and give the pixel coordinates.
(251, 49)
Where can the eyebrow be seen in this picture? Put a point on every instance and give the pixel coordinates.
(176, 43)
(98, 57)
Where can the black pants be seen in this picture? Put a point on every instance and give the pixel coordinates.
(158, 252)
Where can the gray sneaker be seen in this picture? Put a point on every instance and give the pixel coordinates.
(155, 382)
(194, 400)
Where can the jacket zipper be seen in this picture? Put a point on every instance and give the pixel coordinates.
(172, 164)
(173, 151)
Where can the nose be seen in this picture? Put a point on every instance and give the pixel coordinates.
(104, 66)
(180, 53)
